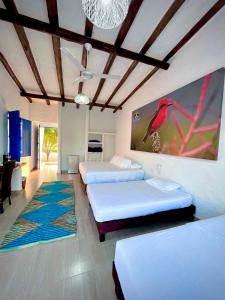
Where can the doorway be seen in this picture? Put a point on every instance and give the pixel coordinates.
(48, 147)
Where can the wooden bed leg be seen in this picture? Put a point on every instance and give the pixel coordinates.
(118, 289)
(101, 237)
(1, 208)
(85, 188)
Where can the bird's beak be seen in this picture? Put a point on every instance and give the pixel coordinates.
(170, 104)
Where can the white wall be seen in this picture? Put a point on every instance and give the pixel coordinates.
(204, 179)
(43, 113)
(71, 132)
(10, 94)
(3, 129)
(33, 158)
(102, 121)
(73, 125)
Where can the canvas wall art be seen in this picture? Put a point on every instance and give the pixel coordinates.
(185, 122)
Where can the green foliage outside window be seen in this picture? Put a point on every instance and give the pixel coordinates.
(50, 143)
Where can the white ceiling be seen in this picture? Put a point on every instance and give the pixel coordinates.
(72, 17)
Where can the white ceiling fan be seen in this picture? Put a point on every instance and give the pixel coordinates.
(85, 73)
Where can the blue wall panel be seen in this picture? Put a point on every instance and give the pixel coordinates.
(14, 135)
(26, 137)
(19, 136)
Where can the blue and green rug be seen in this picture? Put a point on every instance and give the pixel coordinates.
(49, 216)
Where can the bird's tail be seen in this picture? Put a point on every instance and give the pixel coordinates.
(145, 137)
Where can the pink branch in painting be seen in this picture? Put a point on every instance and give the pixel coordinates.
(164, 148)
(197, 150)
(197, 114)
(211, 149)
(211, 127)
(182, 110)
(177, 125)
(174, 145)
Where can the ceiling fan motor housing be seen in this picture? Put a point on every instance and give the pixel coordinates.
(87, 75)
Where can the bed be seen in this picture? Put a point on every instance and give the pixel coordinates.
(103, 172)
(127, 204)
(185, 262)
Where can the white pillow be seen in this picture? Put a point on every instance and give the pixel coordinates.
(125, 163)
(121, 162)
(164, 185)
(135, 166)
(114, 159)
(117, 160)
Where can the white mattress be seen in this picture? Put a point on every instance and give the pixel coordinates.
(113, 201)
(186, 262)
(101, 172)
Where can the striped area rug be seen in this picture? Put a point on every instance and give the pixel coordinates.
(49, 216)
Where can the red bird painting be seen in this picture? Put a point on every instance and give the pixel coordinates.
(158, 118)
(191, 128)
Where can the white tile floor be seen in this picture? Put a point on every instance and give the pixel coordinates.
(76, 268)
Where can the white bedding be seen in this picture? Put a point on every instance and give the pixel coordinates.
(101, 172)
(186, 262)
(113, 201)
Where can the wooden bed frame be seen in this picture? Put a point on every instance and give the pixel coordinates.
(84, 186)
(186, 213)
(118, 289)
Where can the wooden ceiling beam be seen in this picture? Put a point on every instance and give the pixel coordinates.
(133, 10)
(158, 30)
(11, 8)
(71, 36)
(13, 75)
(54, 21)
(87, 32)
(59, 99)
(205, 19)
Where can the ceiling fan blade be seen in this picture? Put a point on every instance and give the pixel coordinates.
(106, 76)
(80, 78)
(73, 59)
